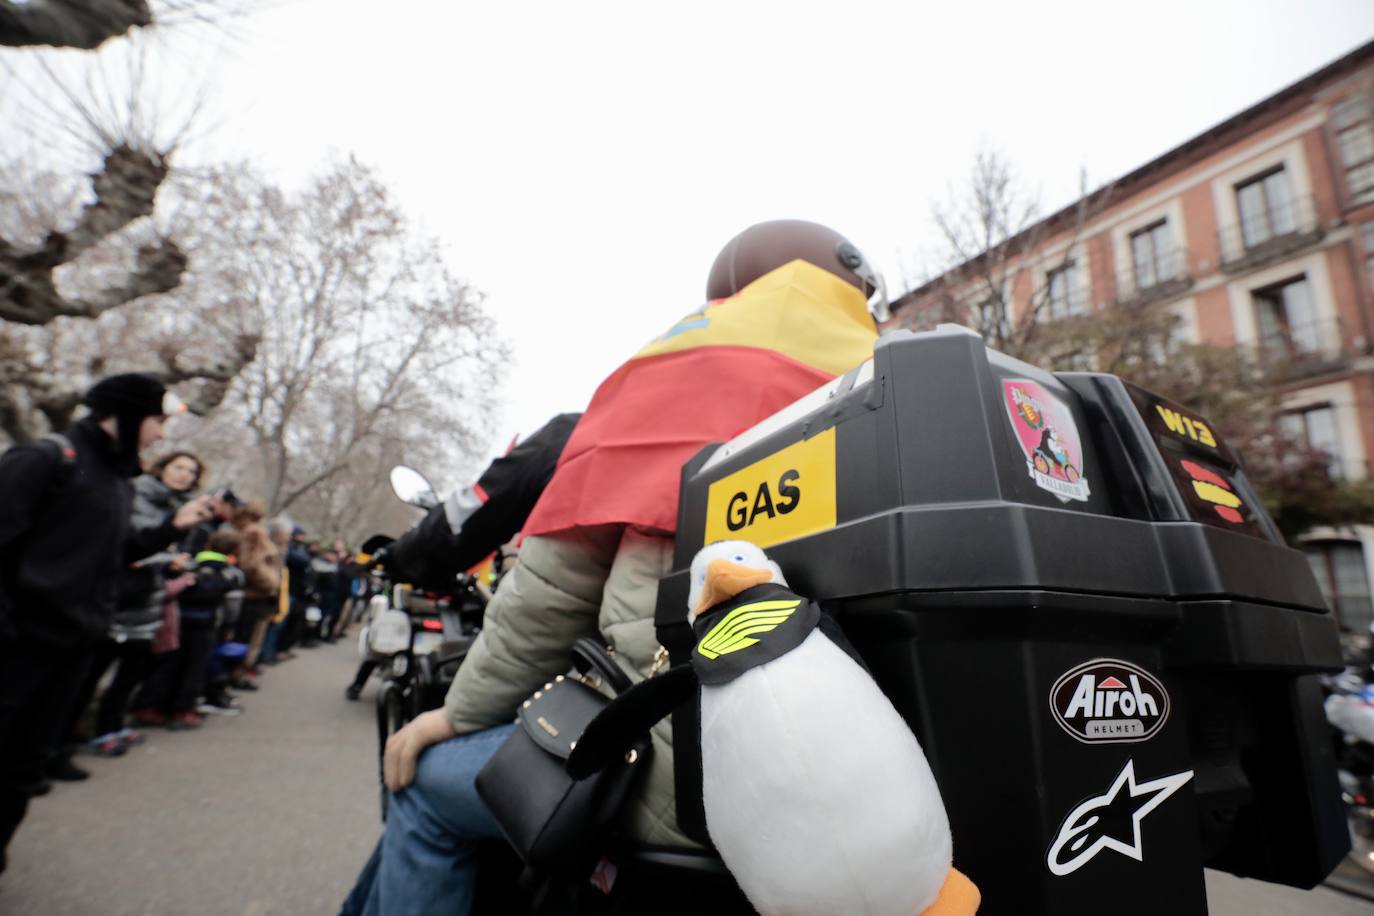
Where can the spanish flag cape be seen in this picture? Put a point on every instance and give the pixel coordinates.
(713, 375)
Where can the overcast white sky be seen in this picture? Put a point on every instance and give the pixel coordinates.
(583, 162)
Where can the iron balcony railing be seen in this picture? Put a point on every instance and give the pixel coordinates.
(1303, 350)
(1073, 300)
(1267, 234)
(1166, 274)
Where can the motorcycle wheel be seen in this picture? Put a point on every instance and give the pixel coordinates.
(393, 712)
(1361, 842)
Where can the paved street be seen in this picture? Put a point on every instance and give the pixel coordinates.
(273, 812)
(1231, 896)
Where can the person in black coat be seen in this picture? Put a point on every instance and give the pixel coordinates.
(64, 541)
(476, 520)
(300, 582)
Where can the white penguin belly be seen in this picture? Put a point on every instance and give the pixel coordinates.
(817, 794)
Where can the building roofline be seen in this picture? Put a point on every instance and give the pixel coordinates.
(1184, 154)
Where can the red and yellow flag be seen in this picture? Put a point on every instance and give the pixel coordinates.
(710, 377)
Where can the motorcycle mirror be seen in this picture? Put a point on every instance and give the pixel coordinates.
(410, 486)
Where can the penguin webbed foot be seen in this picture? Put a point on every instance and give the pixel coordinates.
(958, 897)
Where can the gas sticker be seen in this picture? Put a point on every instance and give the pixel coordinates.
(1089, 828)
(1049, 439)
(1109, 701)
(786, 495)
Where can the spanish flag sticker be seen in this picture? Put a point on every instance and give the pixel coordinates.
(1212, 488)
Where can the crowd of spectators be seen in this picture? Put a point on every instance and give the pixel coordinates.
(143, 604)
(235, 594)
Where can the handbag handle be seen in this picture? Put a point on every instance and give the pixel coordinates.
(592, 655)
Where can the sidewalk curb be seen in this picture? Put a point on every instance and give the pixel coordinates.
(1353, 887)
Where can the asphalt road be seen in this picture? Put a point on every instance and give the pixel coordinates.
(274, 812)
(271, 812)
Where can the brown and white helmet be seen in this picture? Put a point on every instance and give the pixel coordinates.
(764, 247)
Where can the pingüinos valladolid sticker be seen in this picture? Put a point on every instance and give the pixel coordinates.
(1049, 439)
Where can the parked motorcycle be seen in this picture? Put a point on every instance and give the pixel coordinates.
(415, 638)
(1350, 710)
(419, 640)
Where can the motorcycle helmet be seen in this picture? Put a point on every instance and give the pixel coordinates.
(767, 246)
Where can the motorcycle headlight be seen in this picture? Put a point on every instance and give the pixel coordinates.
(390, 633)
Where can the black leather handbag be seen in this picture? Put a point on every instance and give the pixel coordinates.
(554, 822)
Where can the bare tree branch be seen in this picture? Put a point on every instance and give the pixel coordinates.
(368, 341)
(88, 24)
(85, 24)
(125, 191)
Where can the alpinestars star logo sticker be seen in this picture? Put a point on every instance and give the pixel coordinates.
(1086, 831)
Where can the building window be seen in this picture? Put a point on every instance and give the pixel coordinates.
(1315, 428)
(1340, 570)
(1152, 250)
(1161, 345)
(1367, 232)
(1350, 120)
(992, 317)
(1286, 320)
(1063, 297)
(1266, 208)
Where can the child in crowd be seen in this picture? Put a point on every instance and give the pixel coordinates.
(180, 680)
(228, 582)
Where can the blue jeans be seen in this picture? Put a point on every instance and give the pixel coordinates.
(269, 643)
(426, 860)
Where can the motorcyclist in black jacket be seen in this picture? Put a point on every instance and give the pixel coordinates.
(64, 541)
(473, 522)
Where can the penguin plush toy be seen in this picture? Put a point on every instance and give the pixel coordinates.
(817, 795)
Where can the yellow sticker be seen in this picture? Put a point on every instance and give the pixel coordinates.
(784, 496)
(1184, 426)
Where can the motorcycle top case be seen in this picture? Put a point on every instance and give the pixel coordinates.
(1070, 591)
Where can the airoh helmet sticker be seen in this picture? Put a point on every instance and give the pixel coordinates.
(1109, 701)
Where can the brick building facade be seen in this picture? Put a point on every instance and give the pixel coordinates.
(1258, 233)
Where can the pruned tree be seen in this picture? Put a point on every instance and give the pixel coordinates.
(372, 350)
(70, 23)
(88, 24)
(66, 286)
(124, 190)
(78, 252)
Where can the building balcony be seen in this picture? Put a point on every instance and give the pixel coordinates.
(1338, 466)
(1302, 351)
(1165, 276)
(1073, 301)
(1265, 236)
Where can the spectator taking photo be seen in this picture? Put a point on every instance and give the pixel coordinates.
(65, 538)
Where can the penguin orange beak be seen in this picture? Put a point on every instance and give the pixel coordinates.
(726, 580)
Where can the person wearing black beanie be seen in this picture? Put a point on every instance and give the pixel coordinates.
(65, 539)
(138, 404)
